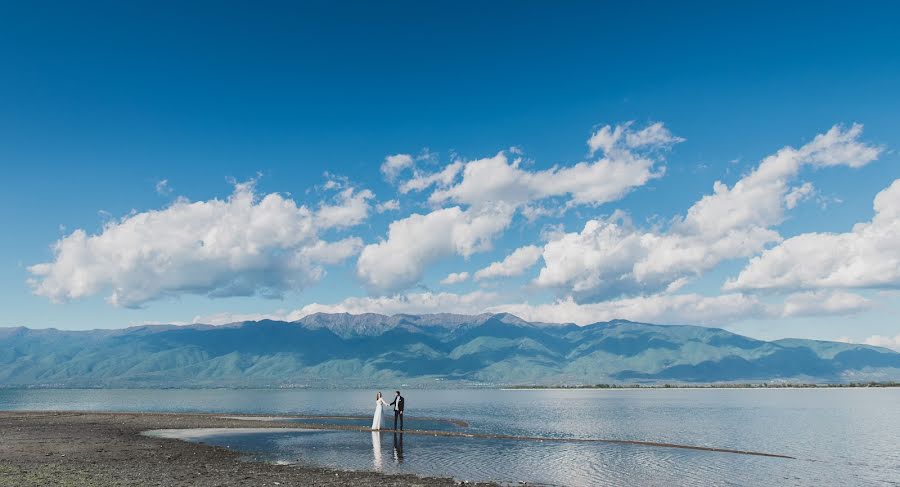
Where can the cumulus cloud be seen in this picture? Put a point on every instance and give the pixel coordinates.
(692, 309)
(630, 159)
(163, 188)
(798, 194)
(423, 180)
(672, 309)
(820, 303)
(389, 205)
(419, 179)
(418, 240)
(455, 278)
(688, 308)
(332, 252)
(415, 303)
(244, 245)
(227, 317)
(395, 164)
(611, 256)
(876, 341)
(267, 245)
(515, 264)
(866, 257)
(350, 208)
(499, 179)
(609, 139)
(884, 341)
(488, 196)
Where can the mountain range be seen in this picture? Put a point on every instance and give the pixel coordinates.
(436, 350)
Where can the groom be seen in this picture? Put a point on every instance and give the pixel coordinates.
(398, 410)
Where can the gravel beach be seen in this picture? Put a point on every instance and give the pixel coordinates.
(101, 449)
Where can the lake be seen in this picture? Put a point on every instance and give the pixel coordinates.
(837, 436)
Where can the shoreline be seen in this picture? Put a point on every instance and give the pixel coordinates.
(77, 448)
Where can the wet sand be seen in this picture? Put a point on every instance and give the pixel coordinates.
(108, 449)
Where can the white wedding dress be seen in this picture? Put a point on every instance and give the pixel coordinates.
(379, 408)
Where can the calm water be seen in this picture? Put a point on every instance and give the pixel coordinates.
(839, 436)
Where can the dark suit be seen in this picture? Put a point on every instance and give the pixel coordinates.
(398, 410)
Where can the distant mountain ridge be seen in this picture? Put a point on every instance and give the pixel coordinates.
(344, 350)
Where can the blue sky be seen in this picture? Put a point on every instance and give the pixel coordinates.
(102, 103)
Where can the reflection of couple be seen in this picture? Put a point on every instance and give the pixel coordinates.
(376, 449)
(379, 408)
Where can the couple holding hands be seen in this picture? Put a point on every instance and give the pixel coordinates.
(379, 410)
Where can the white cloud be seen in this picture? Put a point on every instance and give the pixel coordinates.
(665, 309)
(490, 192)
(422, 181)
(244, 245)
(876, 341)
(227, 317)
(268, 245)
(351, 208)
(419, 180)
(415, 303)
(820, 303)
(597, 257)
(611, 256)
(332, 252)
(674, 309)
(455, 278)
(395, 164)
(411, 303)
(625, 165)
(162, 187)
(884, 341)
(866, 257)
(691, 309)
(798, 194)
(608, 139)
(389, 205)
(515, 264)
(418, 240)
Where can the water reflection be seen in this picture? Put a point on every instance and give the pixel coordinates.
(398, 448)
(378, 458)
(377, 461)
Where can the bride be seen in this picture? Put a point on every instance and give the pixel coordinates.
(379, 407)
